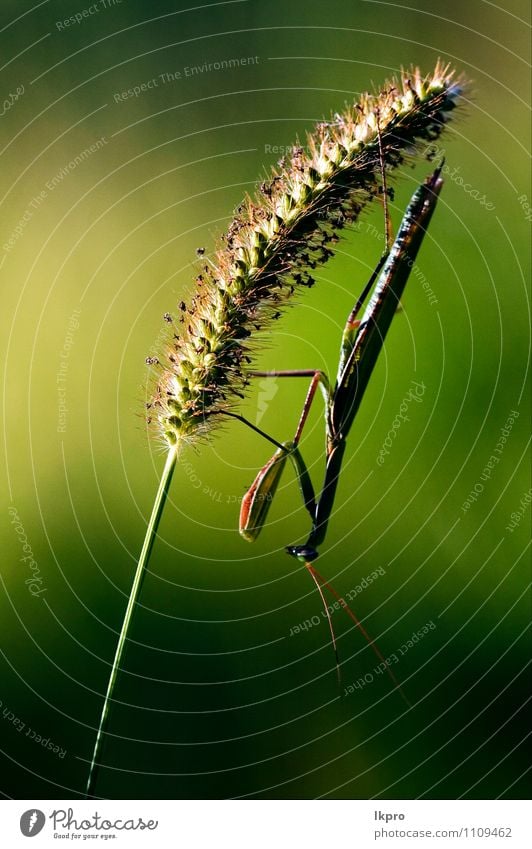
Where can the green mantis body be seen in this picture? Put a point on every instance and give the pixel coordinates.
(361, 343)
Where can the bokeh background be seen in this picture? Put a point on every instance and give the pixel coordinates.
(104, 200)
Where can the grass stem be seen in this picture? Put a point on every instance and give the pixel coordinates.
(149, 539)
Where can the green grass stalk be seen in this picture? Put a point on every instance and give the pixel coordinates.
(149, 539)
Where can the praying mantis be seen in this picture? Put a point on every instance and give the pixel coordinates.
(362, 341)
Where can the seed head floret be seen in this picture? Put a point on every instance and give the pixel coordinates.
(278, 237)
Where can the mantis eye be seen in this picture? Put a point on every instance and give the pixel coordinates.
(257, 500)
(304, 553)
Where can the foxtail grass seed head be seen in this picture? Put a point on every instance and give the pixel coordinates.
(276, 240)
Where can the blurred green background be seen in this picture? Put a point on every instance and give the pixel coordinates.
(218, 700)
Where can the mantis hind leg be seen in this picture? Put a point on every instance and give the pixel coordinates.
(318, 377)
